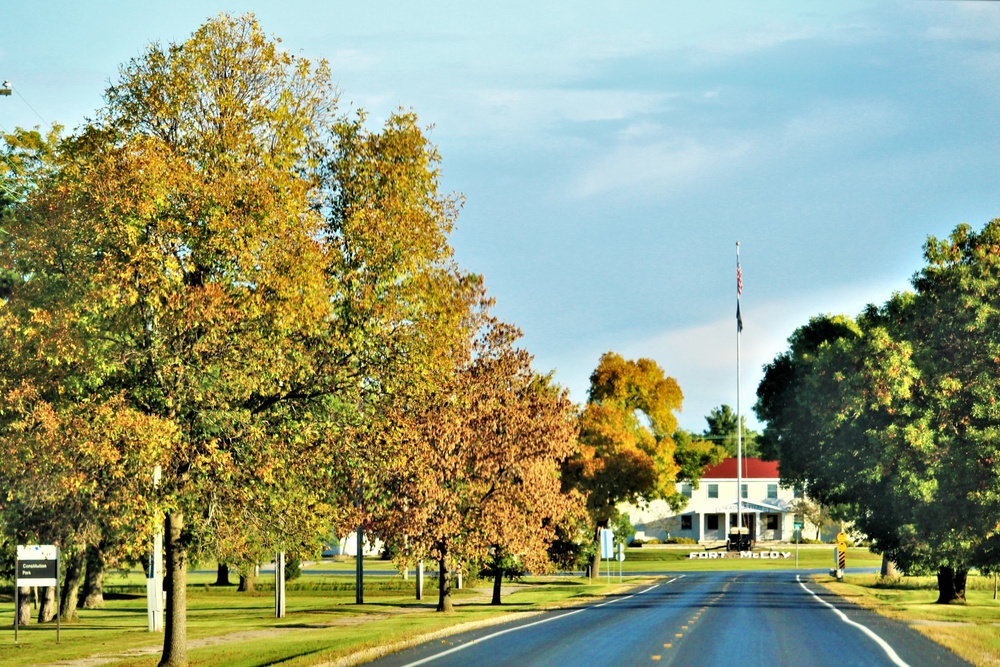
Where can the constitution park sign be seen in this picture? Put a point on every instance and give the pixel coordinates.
(37, 565)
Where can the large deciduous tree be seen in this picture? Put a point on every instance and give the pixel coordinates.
(478, 477)
(627, 449)
(175, 262)
(397, 297)
(897, 416)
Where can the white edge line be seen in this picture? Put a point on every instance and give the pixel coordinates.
(466, 645)
(893, 656)
(491, 636)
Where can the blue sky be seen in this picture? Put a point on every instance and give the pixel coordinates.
(612, 153)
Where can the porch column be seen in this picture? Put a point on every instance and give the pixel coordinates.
(701, 528)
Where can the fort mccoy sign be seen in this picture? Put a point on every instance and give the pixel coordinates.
(761, 555)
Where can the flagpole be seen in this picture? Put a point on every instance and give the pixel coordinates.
(739, 430)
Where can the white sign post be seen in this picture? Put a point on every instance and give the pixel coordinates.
(279, 585)
(154, 574)
(37, 565)
(798, 540)
(608, 547)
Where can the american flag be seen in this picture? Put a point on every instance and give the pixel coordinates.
(739, 293)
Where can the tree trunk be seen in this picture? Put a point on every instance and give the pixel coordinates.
(24, 606)
(248, 582)
(951, 585)
(222, 575)
(889, 570)
(595, 561)
(175, 626)
(71, 584)
(47, 606)
(497, 583)
(93, 585)
(444, 588)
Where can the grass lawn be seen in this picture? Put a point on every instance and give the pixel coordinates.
(322, 621)
(970, 630)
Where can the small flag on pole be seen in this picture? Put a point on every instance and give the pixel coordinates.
(739, 293)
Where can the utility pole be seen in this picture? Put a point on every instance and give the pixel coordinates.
(6, 89)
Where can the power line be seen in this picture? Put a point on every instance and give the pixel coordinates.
(44, 122)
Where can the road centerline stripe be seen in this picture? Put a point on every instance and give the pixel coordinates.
(473, 642)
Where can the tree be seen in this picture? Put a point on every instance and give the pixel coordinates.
(70, 479)
(397, 298)
(722, 431)
(178, 261)
(627, 452)
(478, 477)
(792, 428)
(896, 416)
(819, 515)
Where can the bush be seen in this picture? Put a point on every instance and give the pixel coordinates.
(680, 540)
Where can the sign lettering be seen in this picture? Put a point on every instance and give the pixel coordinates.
(760, 555)
(37, 565)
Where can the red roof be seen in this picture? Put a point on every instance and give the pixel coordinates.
(752, 469)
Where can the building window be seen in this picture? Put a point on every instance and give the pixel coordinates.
(797, 492)
(686, 490)
(713, 490)
(685, 522)
(772, 521)
(772, 491)
(743, 491)
(712, 522)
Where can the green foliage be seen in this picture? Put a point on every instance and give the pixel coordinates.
(722, 431)
(627, 452)
(896, 417)
(622, 527)
(693, 454)
(573, 546)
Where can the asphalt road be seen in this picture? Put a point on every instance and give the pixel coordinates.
(735, 619)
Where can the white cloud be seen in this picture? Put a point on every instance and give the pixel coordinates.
(963, 21)
(702, 358)
(646, 161)
(659, 166)
(843, 123)
(538, 108)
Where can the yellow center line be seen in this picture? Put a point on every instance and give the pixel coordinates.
(656, 657)
(667, 645)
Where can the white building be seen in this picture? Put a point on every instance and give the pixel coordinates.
(767, 506)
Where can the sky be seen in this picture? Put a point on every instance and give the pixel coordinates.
(612, 154)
